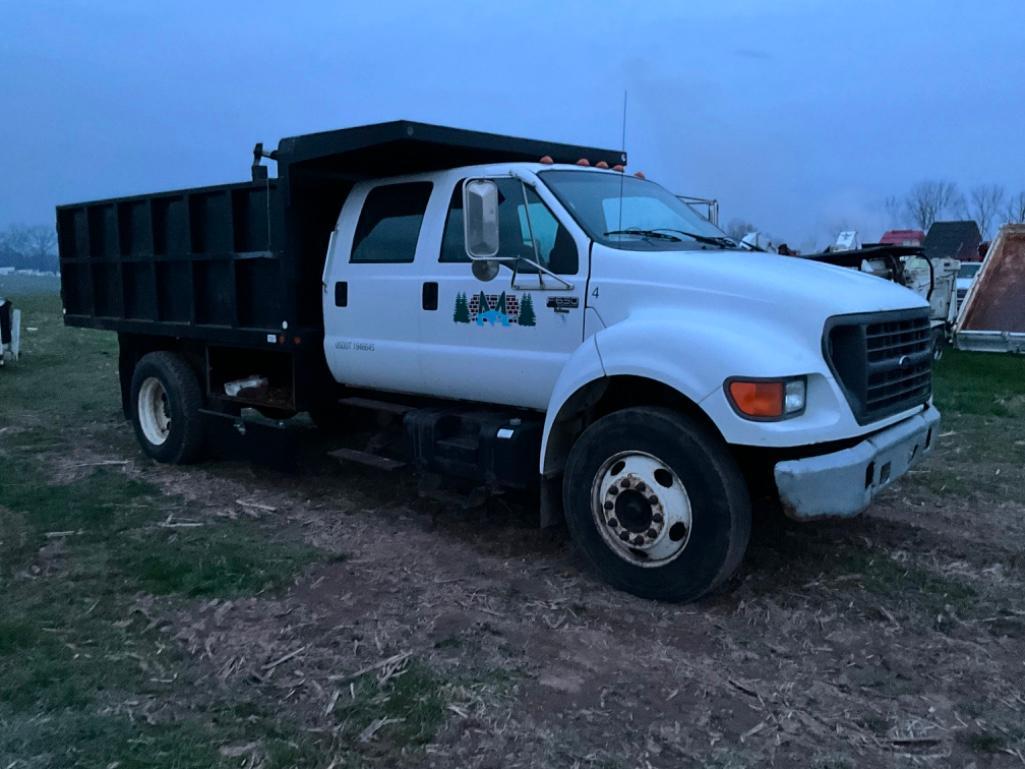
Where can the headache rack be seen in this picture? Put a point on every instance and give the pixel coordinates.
(883, 361)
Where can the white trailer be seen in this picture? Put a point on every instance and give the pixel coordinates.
(992, 316)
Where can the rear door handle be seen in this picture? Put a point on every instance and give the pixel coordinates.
(430, 295)
(342, 294)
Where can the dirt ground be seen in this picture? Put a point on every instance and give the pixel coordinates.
(861, 643)
(426, 634)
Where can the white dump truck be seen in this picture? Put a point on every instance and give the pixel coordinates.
(538, 317)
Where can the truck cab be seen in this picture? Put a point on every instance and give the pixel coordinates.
(554, 325)
(595, 286)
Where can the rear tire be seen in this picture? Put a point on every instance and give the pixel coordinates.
(166, 399)
(657, 504)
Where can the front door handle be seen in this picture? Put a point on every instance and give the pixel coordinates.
(430, 295)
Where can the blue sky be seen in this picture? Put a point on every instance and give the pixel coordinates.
(800, 116)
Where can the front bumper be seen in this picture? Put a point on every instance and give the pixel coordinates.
(842, 484)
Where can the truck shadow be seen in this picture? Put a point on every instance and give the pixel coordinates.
(783, 557)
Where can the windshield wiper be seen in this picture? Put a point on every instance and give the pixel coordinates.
(713, 240)
(644, 234)
(664, 233)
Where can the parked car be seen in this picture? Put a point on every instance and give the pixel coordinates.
(965, 277)
(539, 318)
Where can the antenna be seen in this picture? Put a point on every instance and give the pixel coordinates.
(622, 176)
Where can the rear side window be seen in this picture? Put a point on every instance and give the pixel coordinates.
(389, 224)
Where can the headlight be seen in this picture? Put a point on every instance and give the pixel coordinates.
(767, 399)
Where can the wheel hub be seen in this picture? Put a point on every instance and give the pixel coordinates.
(641, 508)
(154, 411)
(634, 511)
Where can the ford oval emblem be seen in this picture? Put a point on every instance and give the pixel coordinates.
(904, 362)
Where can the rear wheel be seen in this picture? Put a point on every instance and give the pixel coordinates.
(166, 399)
(657, 504)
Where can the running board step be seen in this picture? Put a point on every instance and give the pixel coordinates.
(366, 458)
(375, 405)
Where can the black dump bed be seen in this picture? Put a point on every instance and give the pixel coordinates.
(236, 263)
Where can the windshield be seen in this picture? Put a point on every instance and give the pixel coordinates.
(968, 269)
(627, 212)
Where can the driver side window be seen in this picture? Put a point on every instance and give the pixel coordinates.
(556, 249)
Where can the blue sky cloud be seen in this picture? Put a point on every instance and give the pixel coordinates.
(796, 115)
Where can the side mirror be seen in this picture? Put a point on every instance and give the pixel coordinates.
(480, 218)
(485, 269)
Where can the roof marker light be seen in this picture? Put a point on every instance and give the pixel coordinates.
(546, 159)
(640, 175)
(619, 167)
(583, 162)
(601, 164)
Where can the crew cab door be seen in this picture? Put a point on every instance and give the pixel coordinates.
(372, 290)
(500, 340)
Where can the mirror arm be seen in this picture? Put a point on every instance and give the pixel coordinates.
(542, 269)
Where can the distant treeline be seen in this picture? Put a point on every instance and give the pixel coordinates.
(29, 247)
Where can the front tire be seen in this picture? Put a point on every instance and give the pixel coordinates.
(166, 399)
(657, 504)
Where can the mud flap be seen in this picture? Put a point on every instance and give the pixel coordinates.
(267, 442)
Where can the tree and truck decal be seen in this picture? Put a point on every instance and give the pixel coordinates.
(495, 309)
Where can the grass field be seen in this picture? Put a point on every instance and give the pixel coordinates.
(225, 616)
(82, 666)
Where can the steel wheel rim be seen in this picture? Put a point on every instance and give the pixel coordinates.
(154, 411)
(641, 509)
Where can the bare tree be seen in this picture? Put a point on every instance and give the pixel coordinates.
(895, 211)
(29, 247)
(1014, 212)
(738, 228)
(929, 200)
(984, 204)
(42, 246)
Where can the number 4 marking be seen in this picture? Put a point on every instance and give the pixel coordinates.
(595, 292)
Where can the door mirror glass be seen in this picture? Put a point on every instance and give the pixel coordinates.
(480, 218)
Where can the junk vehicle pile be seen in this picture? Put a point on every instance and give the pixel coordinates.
(935, 279)
(539, 318)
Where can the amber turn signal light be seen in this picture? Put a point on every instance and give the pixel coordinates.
(758, 399)
(767, 399)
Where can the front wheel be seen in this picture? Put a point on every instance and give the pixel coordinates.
(657, 504)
